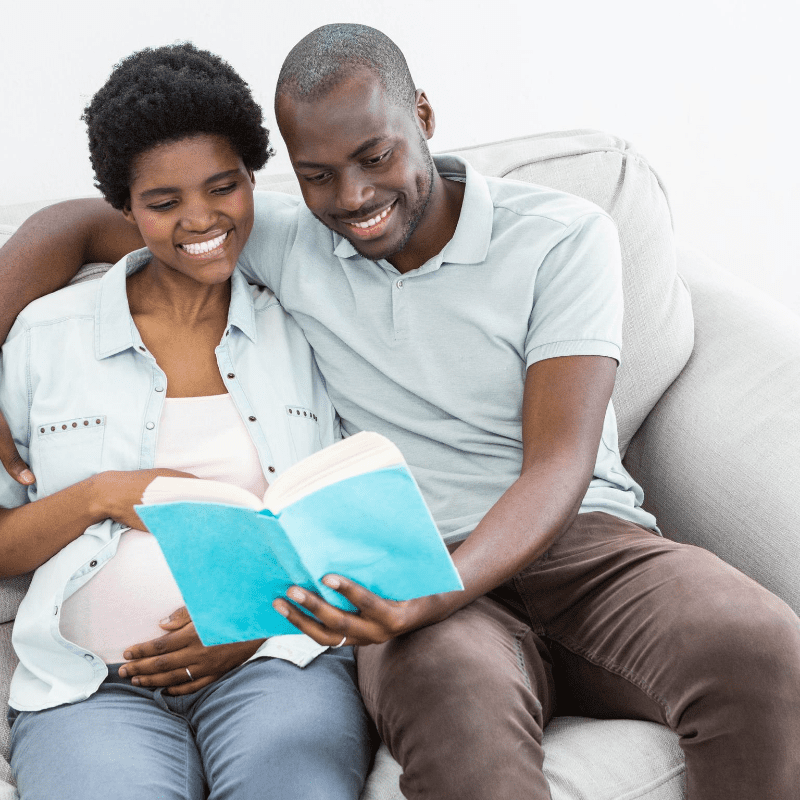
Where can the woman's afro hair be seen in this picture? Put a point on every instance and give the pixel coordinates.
(163, 95)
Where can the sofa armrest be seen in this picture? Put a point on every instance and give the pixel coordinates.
(719, 455)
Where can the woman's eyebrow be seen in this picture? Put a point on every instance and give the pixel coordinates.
(229, 173)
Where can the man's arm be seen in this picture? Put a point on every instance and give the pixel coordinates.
(42, 256)
(563, 412)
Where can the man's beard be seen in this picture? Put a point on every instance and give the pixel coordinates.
(416, 212)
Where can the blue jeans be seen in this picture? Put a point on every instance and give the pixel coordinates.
(265, 730)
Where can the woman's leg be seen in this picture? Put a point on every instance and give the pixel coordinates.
(116, 744)
(274, 731)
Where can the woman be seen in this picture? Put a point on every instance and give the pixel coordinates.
(169, 364)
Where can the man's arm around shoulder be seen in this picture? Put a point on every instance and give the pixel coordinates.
(42, 256)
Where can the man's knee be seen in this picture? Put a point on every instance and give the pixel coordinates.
(478, 663)
(744, 650)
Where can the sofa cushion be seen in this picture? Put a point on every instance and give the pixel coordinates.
(8, 661)
(585, 759)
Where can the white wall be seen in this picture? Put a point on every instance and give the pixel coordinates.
(706, 89)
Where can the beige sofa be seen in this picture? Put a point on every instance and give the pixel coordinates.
(709, 415)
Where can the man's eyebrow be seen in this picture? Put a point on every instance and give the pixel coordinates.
(228, 173)
(362, 148)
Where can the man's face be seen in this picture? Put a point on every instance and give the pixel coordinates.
(363, 163)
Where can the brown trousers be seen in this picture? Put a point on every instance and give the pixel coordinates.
(613, 621)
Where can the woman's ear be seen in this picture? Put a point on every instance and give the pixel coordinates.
(127, 213)
(252, 176)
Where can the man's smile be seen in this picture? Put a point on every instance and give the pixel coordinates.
(372, 226)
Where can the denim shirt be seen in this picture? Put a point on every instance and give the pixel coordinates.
(82, 394)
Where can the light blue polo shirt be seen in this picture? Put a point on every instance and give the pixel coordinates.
(435, 359)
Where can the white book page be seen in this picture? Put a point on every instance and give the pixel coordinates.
(356, 455)
(176, 490)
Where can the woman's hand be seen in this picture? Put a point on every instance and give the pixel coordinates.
(164, 661)
(119, 492)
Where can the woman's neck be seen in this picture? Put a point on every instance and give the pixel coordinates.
(161, 292)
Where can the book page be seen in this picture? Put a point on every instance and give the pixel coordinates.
(176, 490)
(356, 455)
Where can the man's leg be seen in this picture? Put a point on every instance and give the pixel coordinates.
(462, 705)
(116, 744)
(272, 730)
(644, 627)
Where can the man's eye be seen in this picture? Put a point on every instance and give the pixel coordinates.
(318, 178)
(379, 159)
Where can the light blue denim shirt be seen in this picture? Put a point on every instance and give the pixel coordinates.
(82, 395)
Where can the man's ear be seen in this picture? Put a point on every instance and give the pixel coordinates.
(423, 112)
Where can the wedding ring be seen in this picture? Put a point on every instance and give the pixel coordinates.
(190, 674)
(334, 646)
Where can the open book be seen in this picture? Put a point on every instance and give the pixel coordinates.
(352, 509)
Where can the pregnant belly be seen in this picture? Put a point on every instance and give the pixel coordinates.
(124, 602)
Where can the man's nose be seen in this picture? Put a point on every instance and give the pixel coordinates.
(353, 191)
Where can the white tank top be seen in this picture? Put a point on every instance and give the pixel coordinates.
(123, 604)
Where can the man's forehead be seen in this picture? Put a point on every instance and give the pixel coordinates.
(353, 115)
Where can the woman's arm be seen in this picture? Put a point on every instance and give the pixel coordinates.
(35, 532)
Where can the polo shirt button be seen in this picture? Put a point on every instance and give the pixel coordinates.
(150, 426)
(159, 388)
(231, 375)
(399, 284)
(93, 563)
(271, 469)
(251, 418)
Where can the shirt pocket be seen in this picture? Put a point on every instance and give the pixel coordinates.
(304, 430)
(69, 451)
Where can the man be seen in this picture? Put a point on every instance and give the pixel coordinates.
(476, 322)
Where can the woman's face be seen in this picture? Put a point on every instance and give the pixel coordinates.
(192, 201)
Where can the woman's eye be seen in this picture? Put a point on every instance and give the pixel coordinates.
(162, 206)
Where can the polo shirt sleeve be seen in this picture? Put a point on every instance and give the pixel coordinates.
(577, 297)
(14, 405)
(270, 242)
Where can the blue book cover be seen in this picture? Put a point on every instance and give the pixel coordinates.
(232, 554)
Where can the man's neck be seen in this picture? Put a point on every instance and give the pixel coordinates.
(436, 228)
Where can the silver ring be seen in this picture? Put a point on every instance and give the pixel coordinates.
(189, 674)
(334, 646)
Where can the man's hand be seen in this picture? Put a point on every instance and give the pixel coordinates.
(377, 620)
(11, 458)
(164, 661)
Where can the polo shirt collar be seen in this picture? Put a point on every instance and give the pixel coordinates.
(473, 234)
(115, 330)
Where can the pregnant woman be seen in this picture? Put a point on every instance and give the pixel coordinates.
(169, 364)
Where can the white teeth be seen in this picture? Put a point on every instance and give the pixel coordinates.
(371, 222)
(198, 248)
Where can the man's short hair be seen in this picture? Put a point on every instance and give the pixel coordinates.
(163, 95)
(332, 53)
